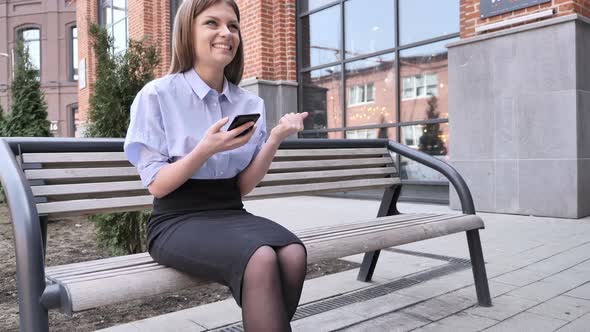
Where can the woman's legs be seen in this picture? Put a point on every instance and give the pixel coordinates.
(263, 307)
(293, 266)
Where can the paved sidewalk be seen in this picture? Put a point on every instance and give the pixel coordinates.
(538, 269)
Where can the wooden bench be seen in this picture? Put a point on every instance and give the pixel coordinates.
(52, 178)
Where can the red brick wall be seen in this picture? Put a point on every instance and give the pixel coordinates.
(86, 12)
(470, 18)
(268, 32)
(150, 19)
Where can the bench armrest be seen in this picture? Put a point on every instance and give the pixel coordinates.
(25, 224)
(447, 170)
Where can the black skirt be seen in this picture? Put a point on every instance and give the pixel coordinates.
(203, 229)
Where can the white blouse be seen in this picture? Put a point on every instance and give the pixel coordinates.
(170, 115)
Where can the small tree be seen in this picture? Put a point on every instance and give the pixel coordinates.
(2, 121)
(430, 141)
(2, 124)
(28, 116)
(119, 77)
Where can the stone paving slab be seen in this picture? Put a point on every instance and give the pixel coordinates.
(394, 322)
(504, 306)
(394, 265)
(462, 321)
(582, 292)
(440, 307)
(528, 322)
(579, 325)
(562, 307)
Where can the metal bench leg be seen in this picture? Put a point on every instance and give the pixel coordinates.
(479, 269)
(387, 208)
(368, 266)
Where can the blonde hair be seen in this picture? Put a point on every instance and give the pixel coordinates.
(183, 49)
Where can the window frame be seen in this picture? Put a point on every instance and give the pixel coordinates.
(343, 61)
(73, 71)
(18, 33)
(415, 87)
(364, 87)
(102, 4)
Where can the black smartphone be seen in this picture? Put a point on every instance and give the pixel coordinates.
(241, 119)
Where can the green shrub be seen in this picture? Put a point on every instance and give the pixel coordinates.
(119, 77)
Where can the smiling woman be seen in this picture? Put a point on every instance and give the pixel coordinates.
(198, 173)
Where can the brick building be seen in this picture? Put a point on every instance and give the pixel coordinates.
(505, 73)
(48, 28)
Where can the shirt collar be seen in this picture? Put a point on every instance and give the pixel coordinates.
(202, 89)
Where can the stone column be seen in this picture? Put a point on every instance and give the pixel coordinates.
(519, 110)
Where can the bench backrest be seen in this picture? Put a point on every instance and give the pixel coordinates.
(95, 182)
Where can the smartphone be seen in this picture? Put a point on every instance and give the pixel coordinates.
(241, 119)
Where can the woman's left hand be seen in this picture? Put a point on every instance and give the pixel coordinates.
(289, 124)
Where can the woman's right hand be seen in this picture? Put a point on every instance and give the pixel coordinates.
(215, 140)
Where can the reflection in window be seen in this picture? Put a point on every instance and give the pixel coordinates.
(114, 19)
(73, 54)
(362, 133)
(425, 19)
(431, 138)
(424, 82)
(369, 28)
(419, 86)
(321, 99)
(361, 94)
(32, 41)
(370, 87)
(308, 5)
(321, 37)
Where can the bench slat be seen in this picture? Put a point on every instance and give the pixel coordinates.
(328, 163)
(144, 258)
(269, 179)
(80, 173)
(104, 270)
(89, 174)
(313, 188)
(135, 203)
(90, 292)
(89, 157)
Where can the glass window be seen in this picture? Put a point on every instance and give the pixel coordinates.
(369, 28)
(308, 5)
(425, 19)
(114, 19)
(371, 92)
(74, 118)
(430, 138)
(321, 37)
(424, 79)
(369, 103)
(32, 41)
(322, 99)
(73, 54)
(362, 133)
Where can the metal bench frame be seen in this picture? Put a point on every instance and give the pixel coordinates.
(30, 229)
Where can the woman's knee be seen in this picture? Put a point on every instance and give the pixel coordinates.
(263, 259)
(293, 254)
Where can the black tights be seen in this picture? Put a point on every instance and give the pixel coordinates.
(272, 286)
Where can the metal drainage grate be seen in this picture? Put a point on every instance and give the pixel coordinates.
(455, 265)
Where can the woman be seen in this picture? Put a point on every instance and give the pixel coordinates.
(198, 171)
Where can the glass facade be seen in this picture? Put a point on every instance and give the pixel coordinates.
(113, 17)
(378, 69)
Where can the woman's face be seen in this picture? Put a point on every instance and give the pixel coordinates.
(216, 36)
